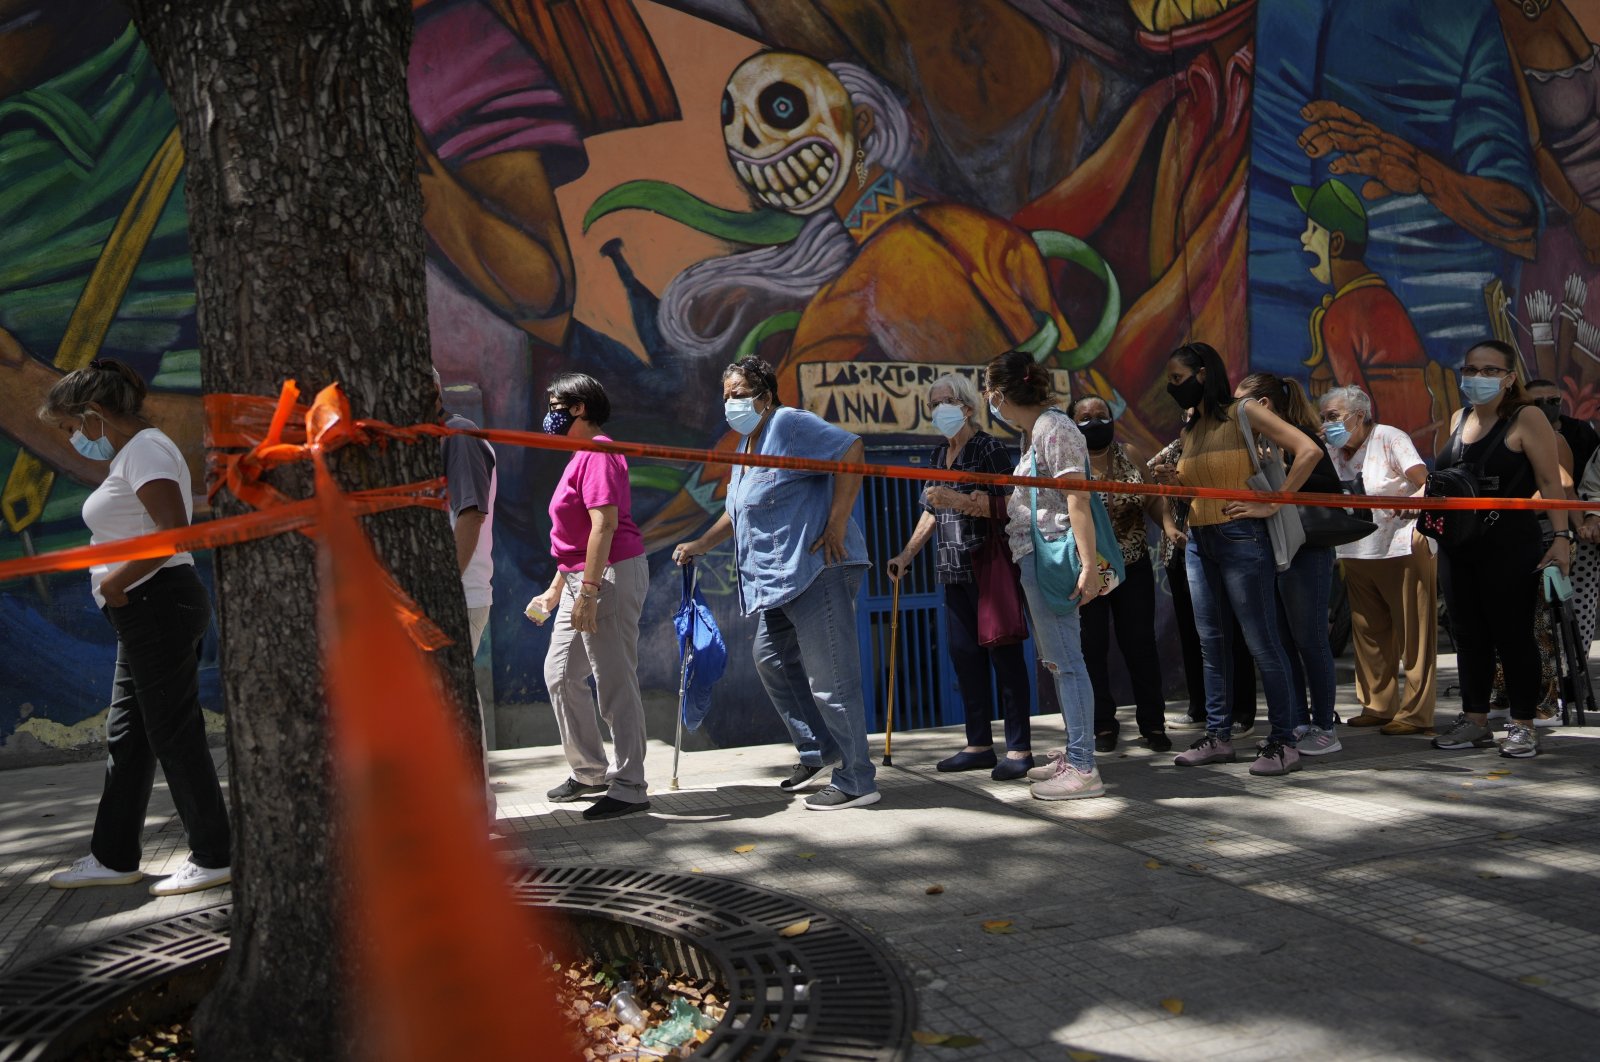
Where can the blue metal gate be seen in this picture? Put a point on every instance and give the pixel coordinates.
(926, 694)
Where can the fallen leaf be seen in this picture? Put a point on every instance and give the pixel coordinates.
(1419, 940)
(696, 870)
(1151, 864)
(1172, 1006)
(999, 927)
(962, 1040)
(807, 855)
(744, 848)
(1466, 785)
(1082, 1056)
(796, 929)
(1454, 796)
(929, 1038)
(1533, 979)
(934, 890)
(1196, 866)
(1506, 836)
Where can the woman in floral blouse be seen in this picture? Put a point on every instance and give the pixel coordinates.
(1132, 605)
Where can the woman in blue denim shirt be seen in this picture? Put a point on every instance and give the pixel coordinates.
(1018, 390)
(800, 558)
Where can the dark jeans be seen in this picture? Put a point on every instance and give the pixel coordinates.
(1243, 694)
(974, 665)
(1132, 607)
(1303, 593)
(155, 718)
(1491, 590)
(1231, 574)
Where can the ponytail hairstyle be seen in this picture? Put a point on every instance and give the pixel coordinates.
(109, 383)
(1218, 394)
(757, 375)
(1287, 399)
(1516, 395)
(1020, 379)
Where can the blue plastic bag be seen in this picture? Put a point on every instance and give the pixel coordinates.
(701, 651)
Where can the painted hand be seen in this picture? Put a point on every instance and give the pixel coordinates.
(1366, 150)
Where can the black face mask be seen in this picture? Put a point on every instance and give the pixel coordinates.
(1188, 393)
(1098, 433)
(1551, 411)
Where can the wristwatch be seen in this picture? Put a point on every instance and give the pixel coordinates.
(1568, 535)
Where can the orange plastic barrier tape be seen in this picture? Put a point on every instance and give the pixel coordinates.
(446, 957)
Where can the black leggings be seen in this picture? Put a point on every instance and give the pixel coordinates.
(974, 664)
(1491, 590)
(1132, 608)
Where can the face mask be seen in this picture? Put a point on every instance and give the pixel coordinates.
(1188, 393)
(94, 449)
(948, 419)
(994, 411)
(1098, 433)
(1335, 433)
(1479, 389)
(743, 417)
(1552, 413)
(557, 422)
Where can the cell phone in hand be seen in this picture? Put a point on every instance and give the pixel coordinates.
(1168, 455)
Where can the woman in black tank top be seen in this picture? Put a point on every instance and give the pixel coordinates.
(1491, 584)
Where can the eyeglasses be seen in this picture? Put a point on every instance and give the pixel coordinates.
(557, 407)
(1491, 371)
(1553, 402)
(1334, 418)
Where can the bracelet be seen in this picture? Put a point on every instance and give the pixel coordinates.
(590, 582)
(587, 596)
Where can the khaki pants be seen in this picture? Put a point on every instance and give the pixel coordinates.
(477, 620)
(1394, 620)
(611, 655)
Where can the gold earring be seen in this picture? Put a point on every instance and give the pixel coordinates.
(861, 168)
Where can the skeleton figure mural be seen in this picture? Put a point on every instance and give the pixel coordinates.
(855, 262)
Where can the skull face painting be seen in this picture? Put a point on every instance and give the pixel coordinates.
(788, 125)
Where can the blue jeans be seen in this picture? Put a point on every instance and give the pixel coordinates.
(1303, 593)
(1059, 646)
(809, 660)
(1232, 574)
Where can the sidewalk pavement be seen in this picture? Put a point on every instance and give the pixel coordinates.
(1388, 902)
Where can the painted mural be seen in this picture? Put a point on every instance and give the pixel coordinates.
(868, 193)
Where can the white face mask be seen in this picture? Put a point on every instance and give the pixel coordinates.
(949, 419)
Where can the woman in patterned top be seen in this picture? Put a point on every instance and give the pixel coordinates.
(1132, 604)
(964, 517)
(1018, 389)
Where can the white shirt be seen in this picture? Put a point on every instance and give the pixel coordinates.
(114, 511)
(1061, 453)
(1381, 462)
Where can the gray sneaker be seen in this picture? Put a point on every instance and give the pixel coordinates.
(1520, 742)
(1209, 749)
(1465, 734)
(1314, 741)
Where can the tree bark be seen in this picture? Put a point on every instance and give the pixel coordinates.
(305, 223)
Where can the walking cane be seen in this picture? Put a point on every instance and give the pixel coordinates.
(683, 674)
(894, 646)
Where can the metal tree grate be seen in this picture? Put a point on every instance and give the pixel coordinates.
(830, 994)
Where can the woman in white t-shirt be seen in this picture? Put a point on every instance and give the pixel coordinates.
(159, 610)
(1391, 576)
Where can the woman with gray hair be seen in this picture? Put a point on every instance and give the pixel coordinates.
(962, 517)
(1390, 576)
(160, 611)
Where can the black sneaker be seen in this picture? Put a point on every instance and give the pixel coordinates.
(1158, 741)
(1106, 742)
(799, 777)
(571, 790)
(835, 799)
(608, 807)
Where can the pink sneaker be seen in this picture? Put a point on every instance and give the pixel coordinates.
(1047, 770)
(1275, 758)
(1069, 783)
(1209, 749)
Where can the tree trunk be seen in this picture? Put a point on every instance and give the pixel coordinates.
(305, 223)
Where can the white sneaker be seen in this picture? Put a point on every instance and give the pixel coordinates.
(1499, 713)
(1242, 733)
(1046, 770)
(1069, 783)
(1185, 723)
(1547, 717)
(90, 871)
(191, 878)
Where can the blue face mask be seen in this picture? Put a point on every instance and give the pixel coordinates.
(1336, 433)
(94, 449)
(743, 417)
(994, 411)
(948, 419)
(1480, 389)
(557, 422)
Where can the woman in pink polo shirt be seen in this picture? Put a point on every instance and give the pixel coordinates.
(600, 584)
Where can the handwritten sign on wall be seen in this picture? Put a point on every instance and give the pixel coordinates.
(890, 397)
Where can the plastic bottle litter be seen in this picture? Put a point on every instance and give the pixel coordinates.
(679, 1028)
(626, 1008)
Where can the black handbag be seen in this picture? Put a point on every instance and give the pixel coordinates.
(1333, 527)
(1458, 527)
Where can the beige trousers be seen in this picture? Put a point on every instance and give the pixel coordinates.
(477, 620)
(611, 656)
(1394, 621)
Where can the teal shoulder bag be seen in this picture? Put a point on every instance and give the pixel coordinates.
(1056, 563)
